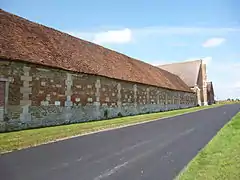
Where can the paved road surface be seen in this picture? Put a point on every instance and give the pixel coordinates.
(155, 150)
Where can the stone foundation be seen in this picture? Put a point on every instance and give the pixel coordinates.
(52, 115)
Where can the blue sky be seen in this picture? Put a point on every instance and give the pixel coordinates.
(156, 32)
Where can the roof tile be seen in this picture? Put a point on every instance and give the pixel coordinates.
(24, 40)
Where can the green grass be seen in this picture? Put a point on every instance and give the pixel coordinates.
(27, 138)
(228, 102)
(220, 159)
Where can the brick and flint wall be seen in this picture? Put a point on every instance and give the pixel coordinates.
(38, 96)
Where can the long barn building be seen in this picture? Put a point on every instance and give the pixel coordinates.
(48, 78)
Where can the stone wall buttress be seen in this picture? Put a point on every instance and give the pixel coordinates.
(158, 97)
(97, 94)
(26, 90)
(204, 75)
(135, 95)
(68, 93)
(148, 98)
(119, 96)
(2, 100)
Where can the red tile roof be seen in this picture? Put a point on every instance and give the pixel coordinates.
(24, 40)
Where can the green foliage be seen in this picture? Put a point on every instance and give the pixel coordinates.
(119, 114)
(106, 113)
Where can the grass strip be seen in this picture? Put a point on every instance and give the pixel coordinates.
(220, 158)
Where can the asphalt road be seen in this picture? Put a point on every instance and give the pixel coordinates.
(155, 150)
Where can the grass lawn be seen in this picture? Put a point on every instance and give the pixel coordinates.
(27, 138)
(220, 159)
(228, 102)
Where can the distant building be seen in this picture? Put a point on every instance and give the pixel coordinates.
(194, 74)
(210, 93)
(50, 78)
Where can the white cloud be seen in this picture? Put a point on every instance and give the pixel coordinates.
(82, 35)
(105, 37)
(126, 35)
(113, 37)
(213, 42)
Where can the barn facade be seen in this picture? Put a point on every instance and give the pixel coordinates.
(50, 78)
